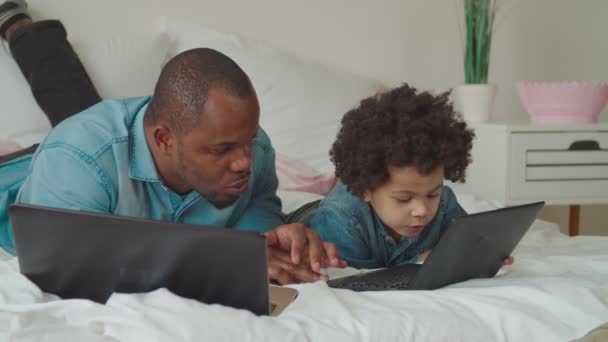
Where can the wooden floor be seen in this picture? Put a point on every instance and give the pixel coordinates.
(593, 218)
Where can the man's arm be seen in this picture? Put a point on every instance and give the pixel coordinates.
(63, 177)
(264, 210)
(295, 252)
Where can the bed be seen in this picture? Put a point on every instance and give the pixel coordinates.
(557, 290)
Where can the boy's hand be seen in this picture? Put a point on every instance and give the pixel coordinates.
(508, 261)
(422, 257)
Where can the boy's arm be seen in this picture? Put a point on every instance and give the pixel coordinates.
(452, 207)
(352, 248)
(453, 210)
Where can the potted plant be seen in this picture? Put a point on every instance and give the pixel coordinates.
(475, 98)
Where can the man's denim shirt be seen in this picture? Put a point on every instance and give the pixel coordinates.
(355, 228)
(99, 161)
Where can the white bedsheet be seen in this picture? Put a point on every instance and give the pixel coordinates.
(557, 290)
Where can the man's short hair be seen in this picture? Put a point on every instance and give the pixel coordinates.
(184, 83)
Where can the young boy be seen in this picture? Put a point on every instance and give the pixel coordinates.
(391, 156)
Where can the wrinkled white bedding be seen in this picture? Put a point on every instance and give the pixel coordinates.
(557, 290)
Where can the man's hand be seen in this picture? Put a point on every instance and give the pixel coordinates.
(297, 254)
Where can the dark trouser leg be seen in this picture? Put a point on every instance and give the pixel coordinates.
(59, 82)
(304, 213)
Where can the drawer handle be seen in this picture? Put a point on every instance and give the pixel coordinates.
(584, 145)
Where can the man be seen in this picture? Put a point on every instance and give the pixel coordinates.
(193, 152)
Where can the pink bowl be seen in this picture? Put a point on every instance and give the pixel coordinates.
(563, 103)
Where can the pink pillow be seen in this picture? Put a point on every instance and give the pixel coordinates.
(295, 175)
(7, 146)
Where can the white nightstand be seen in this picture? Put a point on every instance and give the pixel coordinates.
(516, 164)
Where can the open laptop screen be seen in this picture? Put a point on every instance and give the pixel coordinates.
(76, 254)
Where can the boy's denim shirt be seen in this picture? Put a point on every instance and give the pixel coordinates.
(99, 161)
(362, 241)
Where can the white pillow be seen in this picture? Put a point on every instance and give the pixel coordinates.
(19, 112)
(292, 200)
(301, 102)
(124, 66)
(119, 67)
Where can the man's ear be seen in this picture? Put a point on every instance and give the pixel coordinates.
(164, 139)
(367, 196)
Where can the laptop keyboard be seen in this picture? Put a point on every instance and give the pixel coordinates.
(394, 278)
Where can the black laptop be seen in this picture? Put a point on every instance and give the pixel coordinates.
(474, 246)
(76, 254)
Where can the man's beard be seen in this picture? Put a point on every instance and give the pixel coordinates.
(212, 198)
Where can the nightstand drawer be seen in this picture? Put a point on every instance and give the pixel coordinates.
(535, 158)
(560, 141)
(566, 173)
(558, 165)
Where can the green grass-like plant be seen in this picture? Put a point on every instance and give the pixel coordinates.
(479, 19)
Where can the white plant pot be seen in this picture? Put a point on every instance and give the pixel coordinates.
(475, 101)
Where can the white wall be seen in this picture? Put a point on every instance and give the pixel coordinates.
(414, 41)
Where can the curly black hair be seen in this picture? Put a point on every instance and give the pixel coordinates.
(401, 127)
